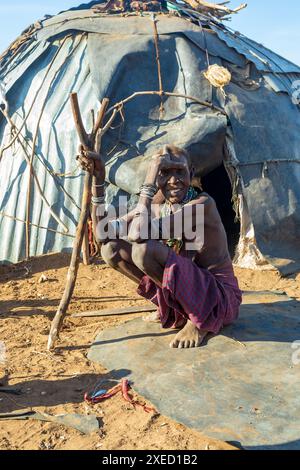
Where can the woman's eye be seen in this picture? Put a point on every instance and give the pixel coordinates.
(163, 173)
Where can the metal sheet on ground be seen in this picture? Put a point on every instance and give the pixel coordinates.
(241, 386)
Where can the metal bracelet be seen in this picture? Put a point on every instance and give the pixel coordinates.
(150, 187)
(98, 200)
(146, 195)
(99, 185)
(148, 190)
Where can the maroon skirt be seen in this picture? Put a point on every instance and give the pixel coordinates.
(210, 299)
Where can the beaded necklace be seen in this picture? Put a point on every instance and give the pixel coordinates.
(177, 243)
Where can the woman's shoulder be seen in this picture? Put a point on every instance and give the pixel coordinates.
(204, 198)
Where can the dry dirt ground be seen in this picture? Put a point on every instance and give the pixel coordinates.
(55, 383)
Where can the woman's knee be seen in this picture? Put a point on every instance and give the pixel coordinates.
(110, 253)
(141, 255)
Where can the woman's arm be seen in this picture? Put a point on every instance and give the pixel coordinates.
(103, 225)
(142, 214)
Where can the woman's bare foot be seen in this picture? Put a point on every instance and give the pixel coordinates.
(153, 317)
(188, 337)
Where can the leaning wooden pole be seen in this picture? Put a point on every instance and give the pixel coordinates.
(88, 142)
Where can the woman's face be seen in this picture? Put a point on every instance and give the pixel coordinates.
(174, 181)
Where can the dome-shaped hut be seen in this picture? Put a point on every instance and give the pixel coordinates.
(243, 137)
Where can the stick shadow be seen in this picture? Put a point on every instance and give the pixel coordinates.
(47, 393)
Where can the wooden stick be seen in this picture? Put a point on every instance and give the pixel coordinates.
(165, 93)
(73, 268)
(216, 9)
(86, 141)
(83, 136)
(100, 117)
(86, 247)
(118, 311)
(156, 43)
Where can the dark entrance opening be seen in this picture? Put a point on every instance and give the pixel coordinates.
(217, 185)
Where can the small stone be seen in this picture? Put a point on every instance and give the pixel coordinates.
(42, 279)
(256, 410)
(43, 393)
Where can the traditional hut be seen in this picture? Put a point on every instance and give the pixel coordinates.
(174, 73)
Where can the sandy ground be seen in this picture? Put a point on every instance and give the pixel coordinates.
(55, 383)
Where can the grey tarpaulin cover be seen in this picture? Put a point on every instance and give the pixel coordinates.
(100, 55)
(242, 386)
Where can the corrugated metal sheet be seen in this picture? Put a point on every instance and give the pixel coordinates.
(56, 149)
(96, 23)
(283, 83)
(264, 59)
(17, 67)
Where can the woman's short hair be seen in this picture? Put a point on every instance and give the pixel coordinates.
(176, 152)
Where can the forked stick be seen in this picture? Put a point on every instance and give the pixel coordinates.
(88, 142)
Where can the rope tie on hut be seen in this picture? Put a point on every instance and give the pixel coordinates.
(218, 77)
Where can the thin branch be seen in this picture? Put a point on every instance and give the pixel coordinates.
(109, 123)
(27, 158)
(218, 10)
(3, 214)
(34, 141)
(156, 43)
(7, 146)
(100, 117)
(52, 173)
(101, 132)
(165, 93)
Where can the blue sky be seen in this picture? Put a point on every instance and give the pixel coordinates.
(270, 22)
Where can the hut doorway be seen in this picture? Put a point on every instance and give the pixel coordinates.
(217, 184)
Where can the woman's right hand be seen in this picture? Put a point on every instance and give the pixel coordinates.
(91, 162)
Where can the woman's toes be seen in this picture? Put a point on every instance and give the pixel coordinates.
(174, 344)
